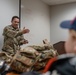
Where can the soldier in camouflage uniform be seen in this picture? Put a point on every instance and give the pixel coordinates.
(13, 37)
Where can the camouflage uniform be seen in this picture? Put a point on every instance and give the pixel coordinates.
(33, 58)
(13, 38)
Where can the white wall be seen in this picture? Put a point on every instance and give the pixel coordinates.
(35, 16)
(8, 8)
(58, 14)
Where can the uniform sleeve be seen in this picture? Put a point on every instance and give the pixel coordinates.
(11, 33)
(20, 39)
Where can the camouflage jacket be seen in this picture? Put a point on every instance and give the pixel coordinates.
(13, 38)
(33, 58)
(29, 59)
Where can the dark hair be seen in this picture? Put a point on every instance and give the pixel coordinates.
(14, 17)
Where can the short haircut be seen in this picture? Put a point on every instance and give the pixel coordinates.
(14, 17)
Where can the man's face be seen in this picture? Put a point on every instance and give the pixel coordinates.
(70, 45)
(15, 22)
